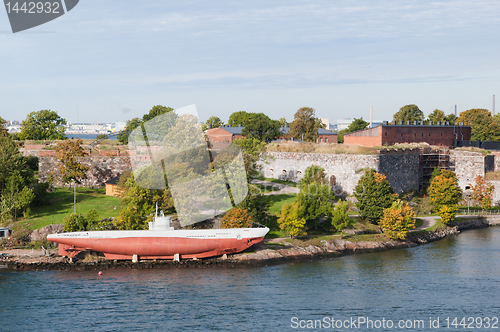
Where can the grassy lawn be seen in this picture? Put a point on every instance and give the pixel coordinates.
(418, 223)
(279, 200)
(60, 204)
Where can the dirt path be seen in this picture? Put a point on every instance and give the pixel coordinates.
(283, 188)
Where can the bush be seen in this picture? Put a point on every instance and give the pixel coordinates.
(290, 221)
(340, 218)
(75, 223)
(314, 203)
(236, 218)
(398, 220)
(447, 213)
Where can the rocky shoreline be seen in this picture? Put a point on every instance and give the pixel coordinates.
(264, 253)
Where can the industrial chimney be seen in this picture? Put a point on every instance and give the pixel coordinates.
(493, 107)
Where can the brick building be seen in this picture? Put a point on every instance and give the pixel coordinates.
(221, 137)
(326, 136)
(385, 134)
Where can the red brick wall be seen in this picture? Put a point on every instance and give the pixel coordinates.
(369, 137)
(433, 135)
(327, 139)
(363, 140)
(390, 135)
(220, 138)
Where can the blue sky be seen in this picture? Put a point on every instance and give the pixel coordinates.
(113, 60)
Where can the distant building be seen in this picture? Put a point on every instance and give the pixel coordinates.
(221, 137)
(345, 123)
(385, 134)
(328, 125)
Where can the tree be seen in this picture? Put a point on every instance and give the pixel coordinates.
(214, 122)
(71, 169)
(314, 174)
(236, 218)
(435, 172)
(42, 125)
(340, 217)
(445, 195)
(140, 204)
(290, 220)
(410, 113)
(374, 194)
(305, 125)
(260, 126)
(11, 160)
(257, 205)
(15, 198)
(252, 149)
(483, 125)
(482, 192)
(314, 203)
(398, 220)
(448, 213)
(438, 115)
(238, 118)
(357, 124)
(444, 190)
(157, 110)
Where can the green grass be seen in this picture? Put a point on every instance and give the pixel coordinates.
(438, 225)
(279, 200)
(418, 223)
(60, 203)
(273, 234)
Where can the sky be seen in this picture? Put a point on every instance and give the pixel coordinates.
(114, 60)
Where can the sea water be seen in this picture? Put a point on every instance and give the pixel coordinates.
(437, 285)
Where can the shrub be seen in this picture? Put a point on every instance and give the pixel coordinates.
(340, 218)
(447, 213)
(398, 220)
(290, 221)
(75, 223)
(236, 218)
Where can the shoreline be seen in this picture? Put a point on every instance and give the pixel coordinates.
(262, 255)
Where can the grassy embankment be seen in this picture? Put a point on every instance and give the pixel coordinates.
(59, 203)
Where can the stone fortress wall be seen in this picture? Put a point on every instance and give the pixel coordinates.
(402, 168)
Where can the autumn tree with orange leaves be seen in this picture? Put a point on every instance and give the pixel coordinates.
(482, 192)
(236, 218)
(398, 220)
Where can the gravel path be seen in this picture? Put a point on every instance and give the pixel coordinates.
(283, 188)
